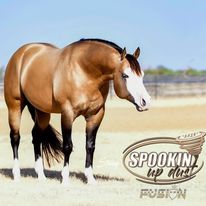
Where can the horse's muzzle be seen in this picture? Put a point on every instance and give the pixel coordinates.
(140, 109)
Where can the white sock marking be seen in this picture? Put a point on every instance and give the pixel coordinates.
(16, 170)
(39, 168)
(89, 175)
(65, 175)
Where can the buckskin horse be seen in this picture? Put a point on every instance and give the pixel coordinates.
(72, 81)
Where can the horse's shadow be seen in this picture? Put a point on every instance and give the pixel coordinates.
(56, 175)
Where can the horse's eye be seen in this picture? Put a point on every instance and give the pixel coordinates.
(125, 76)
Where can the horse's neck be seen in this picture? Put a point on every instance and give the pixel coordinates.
(99, 61)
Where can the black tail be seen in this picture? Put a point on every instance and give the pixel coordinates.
(32, 111)
(52, 145)
(51, 140)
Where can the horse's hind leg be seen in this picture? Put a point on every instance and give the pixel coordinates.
(15, 111)
(42, 121)
(93, 123)
(66, 124)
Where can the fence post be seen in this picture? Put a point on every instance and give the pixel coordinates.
(155, 86)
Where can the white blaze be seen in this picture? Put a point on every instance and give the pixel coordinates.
(136, 88)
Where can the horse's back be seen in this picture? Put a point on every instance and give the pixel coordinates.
(25, 69)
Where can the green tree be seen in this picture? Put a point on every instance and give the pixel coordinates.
(194, 72)
(162, 70)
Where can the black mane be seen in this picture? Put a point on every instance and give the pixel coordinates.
(115, 46)
(134, 64)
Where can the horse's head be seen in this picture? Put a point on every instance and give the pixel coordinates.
(128, 81)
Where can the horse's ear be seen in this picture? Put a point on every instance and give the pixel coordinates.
(137, 53)
(124, 53)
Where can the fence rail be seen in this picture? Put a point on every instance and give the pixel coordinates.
(174, 79)
(170, 86)
(176, 89)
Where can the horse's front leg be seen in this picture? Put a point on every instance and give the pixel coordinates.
(66, 124)
(93, 123)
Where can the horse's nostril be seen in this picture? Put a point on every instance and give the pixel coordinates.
(143, 102)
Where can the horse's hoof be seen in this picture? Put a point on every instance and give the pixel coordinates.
(65, 176)
(65, 184)
(16, 174)
(17, 179)
(89, 175)
(42, 178)
(91, 181)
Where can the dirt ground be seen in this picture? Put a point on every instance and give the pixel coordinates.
(121, 126)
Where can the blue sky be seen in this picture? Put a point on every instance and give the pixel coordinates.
(169, 32)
